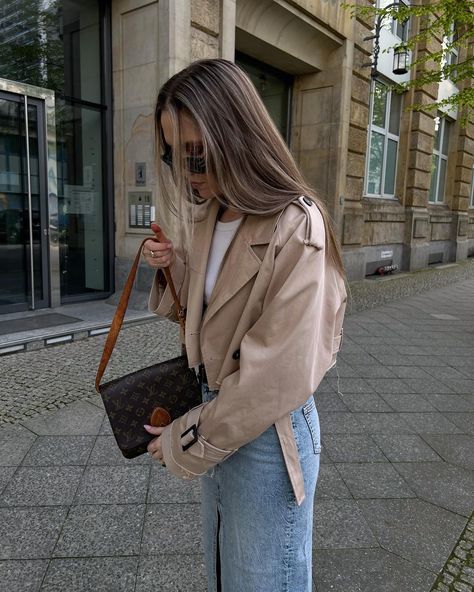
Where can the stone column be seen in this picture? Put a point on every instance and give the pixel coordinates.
(417, 184)
(416, 154)
(462, 180)
(319, 130)
(205, 29)
(150, 42)
(174, 37)
(227, 30)
(358, 116)
(461, 193)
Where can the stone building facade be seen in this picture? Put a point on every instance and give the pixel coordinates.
(398, 183)
(321, 48)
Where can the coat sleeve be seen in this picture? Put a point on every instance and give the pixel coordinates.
(277, 358)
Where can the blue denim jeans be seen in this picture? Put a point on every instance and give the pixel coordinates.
(256, 537)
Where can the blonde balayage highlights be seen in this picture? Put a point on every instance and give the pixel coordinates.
(254, 169)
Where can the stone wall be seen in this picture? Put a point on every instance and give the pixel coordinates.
(419, 131)
(354, 211)
(135, 79)
(150, 42)
(463, 174)
(323, 48)
(292, 38)
(205, 25)
(415, 231)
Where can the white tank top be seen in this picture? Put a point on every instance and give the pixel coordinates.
(224, 232)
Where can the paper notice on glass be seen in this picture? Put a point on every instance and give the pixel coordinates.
(79, 200)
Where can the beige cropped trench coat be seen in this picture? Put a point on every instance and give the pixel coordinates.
(270, 332)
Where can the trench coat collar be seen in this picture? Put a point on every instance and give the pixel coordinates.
(241, 261)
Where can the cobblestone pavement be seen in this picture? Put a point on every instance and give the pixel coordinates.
(396, 486)
(458, 573)
(49, 378)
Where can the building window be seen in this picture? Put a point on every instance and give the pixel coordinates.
(450, 51)
(401, 28)
(384, 135)
(471, 200)
(398, 28)
(62, 46)
(440, 160)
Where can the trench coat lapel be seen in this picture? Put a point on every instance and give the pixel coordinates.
(241, 262)
(203, 232)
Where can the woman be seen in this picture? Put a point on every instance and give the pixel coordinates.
(261, 278)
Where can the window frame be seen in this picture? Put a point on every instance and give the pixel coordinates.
(450, 57)
(453, 54)
(394, 22)
(405, 28)
(385, 132)
(438, 154)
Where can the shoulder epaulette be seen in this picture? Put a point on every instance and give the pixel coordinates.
(313, 237)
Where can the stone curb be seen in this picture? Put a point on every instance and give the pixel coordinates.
(69, 336)
(377, 292)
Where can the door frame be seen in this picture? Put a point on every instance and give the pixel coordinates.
(51, 176)
(40, 300)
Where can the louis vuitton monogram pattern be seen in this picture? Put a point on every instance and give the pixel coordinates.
(130, 400)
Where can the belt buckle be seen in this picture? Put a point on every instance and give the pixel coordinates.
(192, 439)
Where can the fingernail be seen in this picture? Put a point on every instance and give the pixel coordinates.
(146, 426)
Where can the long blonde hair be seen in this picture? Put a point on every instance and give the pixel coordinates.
(254, 169)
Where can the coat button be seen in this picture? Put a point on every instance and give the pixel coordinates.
(236, 354)
(307, 201)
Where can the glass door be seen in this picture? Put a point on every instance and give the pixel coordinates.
(23, 204)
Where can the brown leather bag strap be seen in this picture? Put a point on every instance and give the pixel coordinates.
(122, 308)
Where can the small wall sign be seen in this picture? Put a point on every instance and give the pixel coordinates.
(140, 174)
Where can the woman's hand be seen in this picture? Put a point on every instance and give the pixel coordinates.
(158, 253)
(154, 447)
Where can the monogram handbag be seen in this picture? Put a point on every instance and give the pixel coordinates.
(155, 395)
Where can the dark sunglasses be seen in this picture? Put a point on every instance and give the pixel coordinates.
(194, 164)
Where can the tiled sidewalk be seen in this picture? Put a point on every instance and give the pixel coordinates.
(395, 492)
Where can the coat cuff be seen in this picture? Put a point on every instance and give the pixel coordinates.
(161, 300)
(186, 453)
